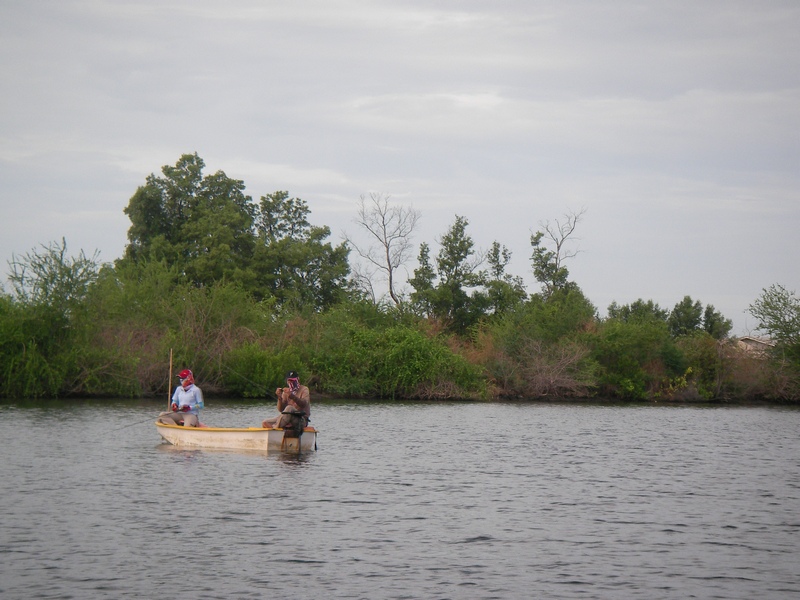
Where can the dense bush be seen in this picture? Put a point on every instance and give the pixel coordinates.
(636, 358)
(34, 350)
(538, 349)
(360, 354)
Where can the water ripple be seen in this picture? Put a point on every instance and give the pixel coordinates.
(407, 501)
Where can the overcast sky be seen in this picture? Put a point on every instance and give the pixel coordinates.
(676, 125)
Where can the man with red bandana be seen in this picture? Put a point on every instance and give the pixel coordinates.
(186, 403)
(294, 399)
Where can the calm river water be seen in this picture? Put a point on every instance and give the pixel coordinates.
(405, 501)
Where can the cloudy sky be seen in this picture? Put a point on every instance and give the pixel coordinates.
(675, 125)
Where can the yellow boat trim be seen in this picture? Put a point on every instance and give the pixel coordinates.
(181, 427)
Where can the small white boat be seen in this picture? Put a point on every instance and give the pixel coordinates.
(238, 438)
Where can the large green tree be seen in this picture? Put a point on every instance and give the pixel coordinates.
(452, 290)
(686, 317)
(715, 324)
(293, 261)
(207, 228)
(201, 224)
(689, 317)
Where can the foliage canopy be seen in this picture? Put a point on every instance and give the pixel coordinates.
(243, 291)
(210, 230)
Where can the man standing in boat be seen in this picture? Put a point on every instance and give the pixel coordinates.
(293, 400)
(186, 403)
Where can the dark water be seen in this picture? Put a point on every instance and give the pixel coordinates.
(406, 501)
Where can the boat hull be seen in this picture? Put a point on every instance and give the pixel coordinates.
(237, 438)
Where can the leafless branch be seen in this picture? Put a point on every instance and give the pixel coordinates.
(389, 227)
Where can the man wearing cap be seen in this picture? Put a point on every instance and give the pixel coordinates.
(293, 399)
(186, 403)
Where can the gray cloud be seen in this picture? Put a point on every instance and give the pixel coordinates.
(674, 125)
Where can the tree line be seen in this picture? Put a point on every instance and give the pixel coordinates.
(244, 290)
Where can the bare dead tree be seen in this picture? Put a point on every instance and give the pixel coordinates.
(390, 228)
(548, 265)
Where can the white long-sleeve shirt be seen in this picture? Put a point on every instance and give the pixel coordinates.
(191, 397)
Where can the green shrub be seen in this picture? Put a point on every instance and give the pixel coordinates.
(365, 353)
(636, 358)
(35, 350)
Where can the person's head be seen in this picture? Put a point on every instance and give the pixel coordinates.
(293, 380)
(186, 377)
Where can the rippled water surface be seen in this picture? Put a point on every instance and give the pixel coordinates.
(405, 501)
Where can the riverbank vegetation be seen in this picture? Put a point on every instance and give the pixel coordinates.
(243, 290)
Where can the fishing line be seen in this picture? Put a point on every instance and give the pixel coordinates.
(139, 422)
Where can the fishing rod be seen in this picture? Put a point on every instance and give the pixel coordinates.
(169, 399)
(144, 421)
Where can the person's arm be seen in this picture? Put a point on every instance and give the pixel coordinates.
(198, 398)
(281, 393)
